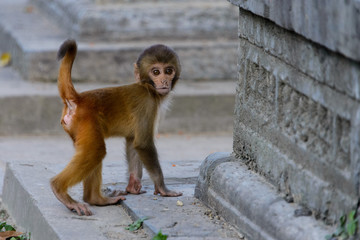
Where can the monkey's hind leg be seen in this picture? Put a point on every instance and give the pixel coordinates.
(92, 190)
(90, 150)
(60, 184)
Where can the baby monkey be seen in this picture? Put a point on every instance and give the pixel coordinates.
(130, 111)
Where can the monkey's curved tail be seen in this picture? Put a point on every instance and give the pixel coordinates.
(67, 52)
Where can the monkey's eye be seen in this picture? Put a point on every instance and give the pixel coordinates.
(169, 71)
(155, 72)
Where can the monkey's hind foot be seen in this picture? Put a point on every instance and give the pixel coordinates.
(115, 193)
(104, 201)
(135, 191)
(71, 204)
(80, 209)
(164, 192)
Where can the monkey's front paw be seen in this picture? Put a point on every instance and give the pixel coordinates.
(134, 186)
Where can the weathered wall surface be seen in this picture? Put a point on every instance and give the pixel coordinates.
(332, 23)
(297, 112)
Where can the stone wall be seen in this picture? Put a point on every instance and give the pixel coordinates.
(297, 111)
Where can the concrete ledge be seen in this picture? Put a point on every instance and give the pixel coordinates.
(246, 200)
(15, 195)
(28, 198)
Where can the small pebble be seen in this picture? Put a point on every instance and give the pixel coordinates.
(302, 212)
(289, 198)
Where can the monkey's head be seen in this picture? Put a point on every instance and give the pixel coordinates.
(158, 66)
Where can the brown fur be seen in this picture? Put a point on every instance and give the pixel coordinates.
(129, 111)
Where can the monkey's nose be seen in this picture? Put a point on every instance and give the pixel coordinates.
(165, 82)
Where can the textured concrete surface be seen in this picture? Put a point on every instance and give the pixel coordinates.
(248, 201)
(297, 116)
(317, 63)
(34, 160)
(334, 25)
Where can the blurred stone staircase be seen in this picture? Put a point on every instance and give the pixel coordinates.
(110, 35)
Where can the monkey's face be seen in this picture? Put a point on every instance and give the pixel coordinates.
(162, 76)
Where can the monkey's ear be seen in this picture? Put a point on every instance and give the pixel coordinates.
(136, 73)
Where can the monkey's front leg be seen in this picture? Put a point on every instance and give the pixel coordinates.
(148, 155)
(135, 169)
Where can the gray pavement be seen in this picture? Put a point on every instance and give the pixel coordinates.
(32, 161)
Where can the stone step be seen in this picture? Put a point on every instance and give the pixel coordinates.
(28, 198)
(35, 107)
(244, 198)
(91, 20)
(33, 38)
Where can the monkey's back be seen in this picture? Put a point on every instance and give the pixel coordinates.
(119, 109)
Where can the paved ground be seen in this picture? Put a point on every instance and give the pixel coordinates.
(178, 153)
(34, 160)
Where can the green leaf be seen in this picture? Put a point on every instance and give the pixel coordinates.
(348, 225)
(136, 225)
(351, 228)
(351, 215)
(160, 236)
(2, 225)
(6, 227)
(9, 228)
(342, 220)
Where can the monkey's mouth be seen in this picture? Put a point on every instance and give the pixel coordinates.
(163, 90)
